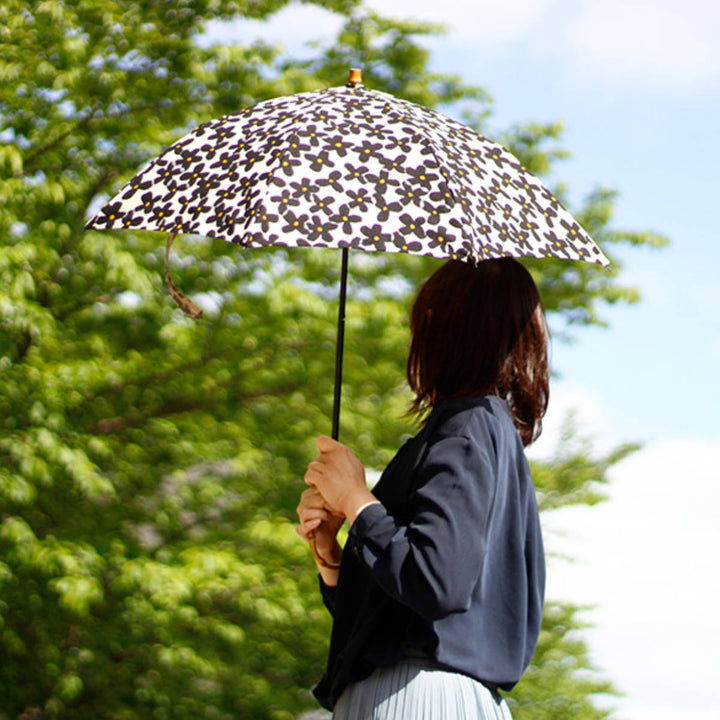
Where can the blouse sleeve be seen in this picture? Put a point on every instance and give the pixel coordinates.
(433, 563)
(328, 594)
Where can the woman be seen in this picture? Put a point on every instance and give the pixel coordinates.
(437, 596)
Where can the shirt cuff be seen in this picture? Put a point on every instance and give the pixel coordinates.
(366, 518)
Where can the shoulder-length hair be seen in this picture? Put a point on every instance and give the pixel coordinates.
(480, 330)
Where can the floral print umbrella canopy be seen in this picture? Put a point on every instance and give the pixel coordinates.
(349, 167)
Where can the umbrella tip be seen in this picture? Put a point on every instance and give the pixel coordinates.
(355, 78)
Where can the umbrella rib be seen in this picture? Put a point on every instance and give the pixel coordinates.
(455, 188)
(452, 186)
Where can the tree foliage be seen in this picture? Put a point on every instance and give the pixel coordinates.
(150, 465)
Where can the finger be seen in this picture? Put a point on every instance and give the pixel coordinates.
(310, 524)
(305, 528)
(314, 472)
(314, 505)
(324, 511)
(320, 514)
(326, 444)
(311, 498)
(317, 464)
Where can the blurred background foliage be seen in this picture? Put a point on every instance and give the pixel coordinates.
(149, 464)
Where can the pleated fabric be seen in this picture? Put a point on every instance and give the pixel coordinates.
(414, 690)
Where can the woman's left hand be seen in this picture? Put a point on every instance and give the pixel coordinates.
(339, 477)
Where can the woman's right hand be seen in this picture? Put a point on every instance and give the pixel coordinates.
(316, 518)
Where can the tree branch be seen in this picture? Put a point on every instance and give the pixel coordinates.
(117, 425)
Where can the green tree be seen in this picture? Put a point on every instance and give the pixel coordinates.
(150, 465)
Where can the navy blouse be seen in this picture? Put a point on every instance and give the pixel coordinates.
(450, 565)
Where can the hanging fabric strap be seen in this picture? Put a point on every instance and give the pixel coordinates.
(186, 305)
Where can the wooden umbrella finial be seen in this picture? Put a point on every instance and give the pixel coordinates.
(355, 78)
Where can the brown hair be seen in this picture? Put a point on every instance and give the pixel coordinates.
(480, 330)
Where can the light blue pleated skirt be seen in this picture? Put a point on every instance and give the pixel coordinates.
(414, 690)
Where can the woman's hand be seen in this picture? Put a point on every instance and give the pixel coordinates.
(339, 477)
(316, 518)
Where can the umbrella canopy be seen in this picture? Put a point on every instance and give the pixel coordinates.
(349, 167)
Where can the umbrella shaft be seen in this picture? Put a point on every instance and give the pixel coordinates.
(340, 345)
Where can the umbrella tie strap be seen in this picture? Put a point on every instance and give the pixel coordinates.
(186, 305)
(321, 560)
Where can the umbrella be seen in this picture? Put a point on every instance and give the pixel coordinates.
(347, 167)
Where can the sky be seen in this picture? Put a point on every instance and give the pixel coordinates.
(637, 86)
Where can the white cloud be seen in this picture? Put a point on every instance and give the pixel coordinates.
(648, 561)
(291, 28)
(488, 21)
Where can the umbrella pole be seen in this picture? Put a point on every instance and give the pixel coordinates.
(340, 345)
(338, 385)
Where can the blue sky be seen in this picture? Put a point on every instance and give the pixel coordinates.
(637, 84)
